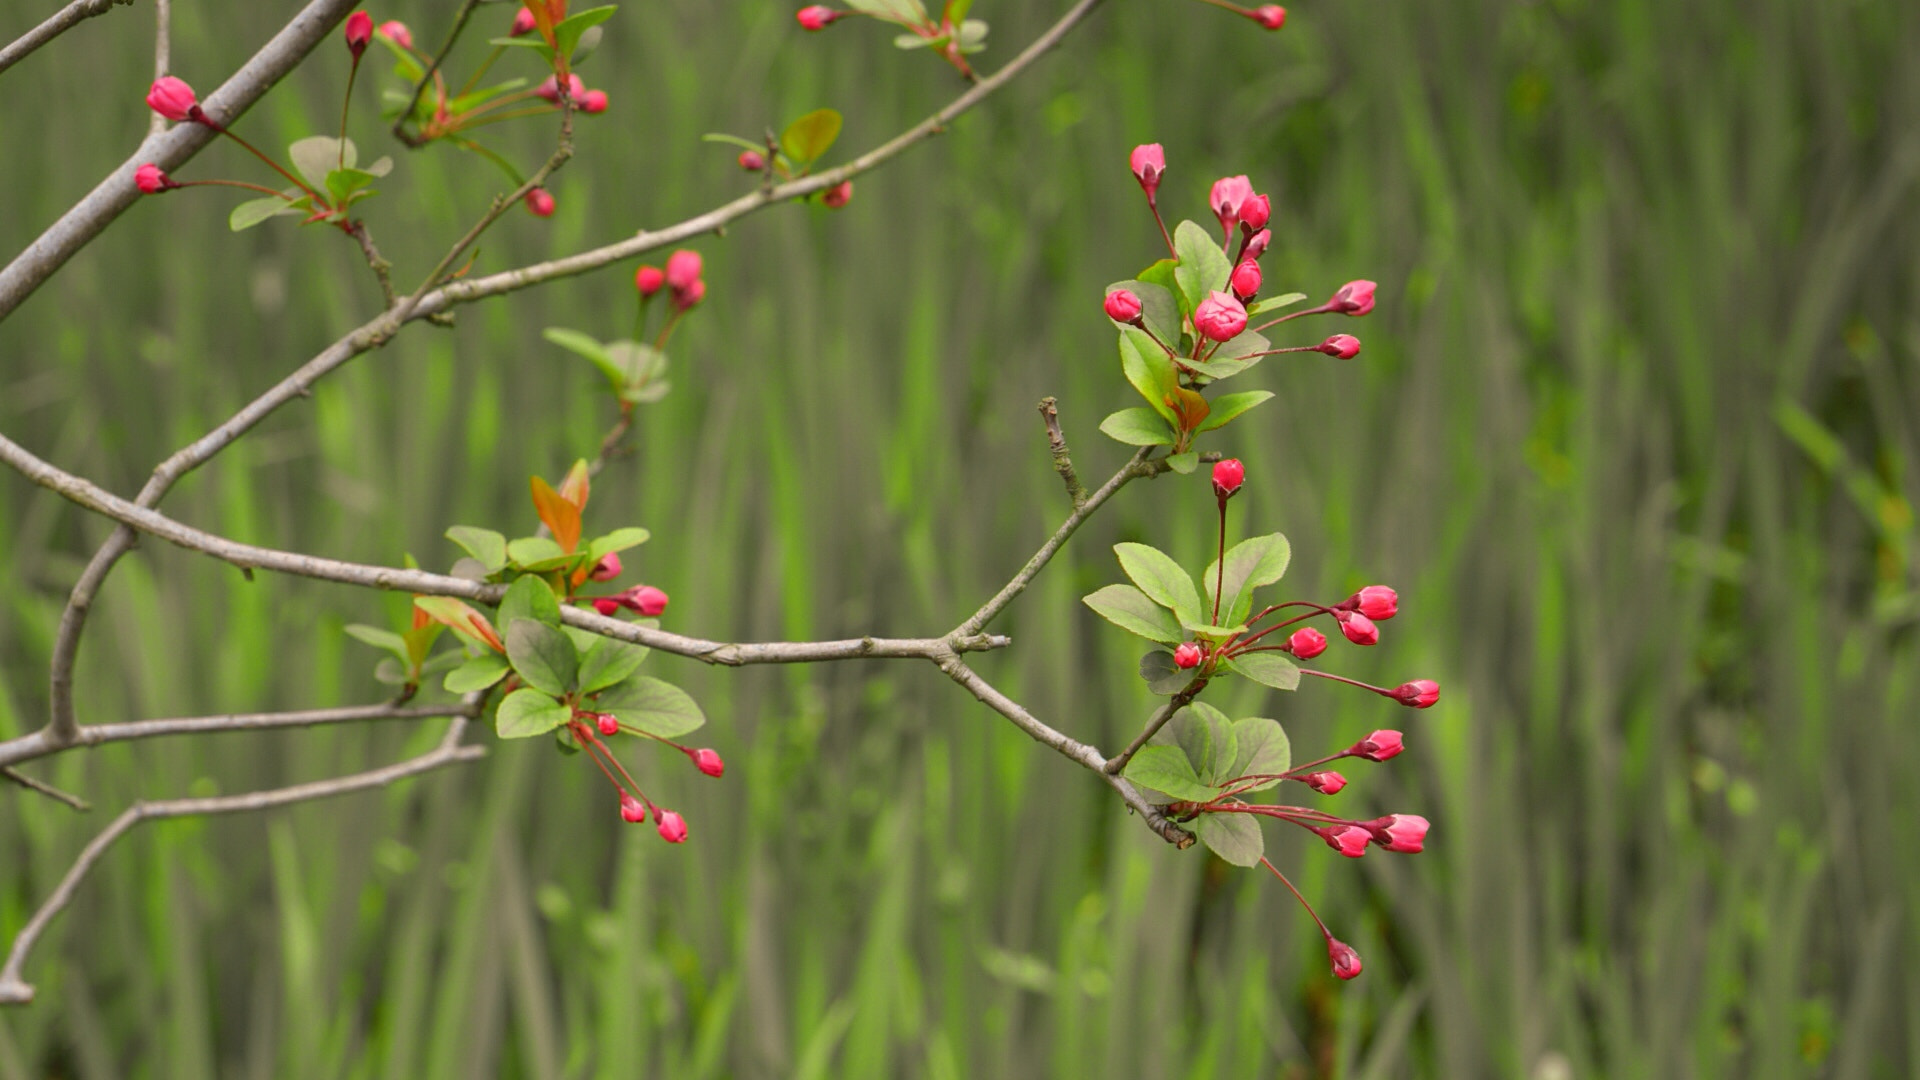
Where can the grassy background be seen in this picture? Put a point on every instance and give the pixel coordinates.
(1632, 434)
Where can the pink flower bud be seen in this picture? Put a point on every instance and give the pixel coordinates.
(1271, 16)
(1326, 783)
(1348, 840)
(1229, 193)
(523, 23)
(1220, 317)
(1418, 694)
(1353, 298)
(1307, 643)
(359, 32)
(632, 810)
(1149, 164)
(1344, 346)
(593, 102)
(1376, 602)
(752, 160)
(685, 299)
(607, 568)
(1228, 475)
(540, 202)
(673, 827)
(708, 761)
(683, 268)
(1404, 833)
(1358, 628)
(1257, 246)
(1346, 962)
(817, 17)
(1123, 306)
(1246, 280)
(396, 31)
(838, 195)
(1378, 746)
(648, 600)
(1187, 655)
(649, 280)
(550, 90)
(1254, 213)
(608, 724)
(149, 179)
(605, 605)
(172, 98)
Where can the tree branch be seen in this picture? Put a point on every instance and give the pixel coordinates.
(162, 55)
(400, 122)
(45, 788)
(14, 990)
(1062, 460)
(56, 24)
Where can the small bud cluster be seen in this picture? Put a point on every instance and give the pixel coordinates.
(588, 730)
(683, 283)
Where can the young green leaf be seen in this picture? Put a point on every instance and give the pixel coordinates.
(420, 639)
(1161, 579)
(1146, 366)
(1129, 609)
(1233, 357)
(617, 540)
(379, 639)
(908, 12)
(1268, 669)
(1184, 464)
(1137, 427)
(1166, 769)
(1251, 563)
(1228, 406)
(317, 155)
(1275, 303)
(477, 674)
(1203, 268)
(576, 342)
(653, 706)
(489, 547)
(1261, 749)
(1206, 736)
(1163, 676)
(254, 211)
(1162, 274)
(567, 32)
(608, 662)
(467, 624)
(526, 713)
(1158, 309)
(973, 36)
(529, 598)
(811, 136)
(530, 552)
(544, 658)
(1234, 837)
(1213, 633)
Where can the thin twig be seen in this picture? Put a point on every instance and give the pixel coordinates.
(1062, 460)
(162, 56)
(56, 24)
(46, 789)
(1155, 722)
(433, 67)
(380, 266)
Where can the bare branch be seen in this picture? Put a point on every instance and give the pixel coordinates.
(46, 789)
(92, 214)
(56, 24)
(14, 990)
(1062, 460)
(162, 55)
(1155, 722)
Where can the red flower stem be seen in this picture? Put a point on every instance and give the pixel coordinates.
(593, 741)
(1220, 574)
(271, 164)
(667, 330)
(231, 183)
(1289, 884)
(486, 64)
(1321, 310)
(1153, 205)
(1171, 355)
(1382, 691)
(497, 118)
(345, 104)
(1272, 352)
(1318, 610)
(593, 749)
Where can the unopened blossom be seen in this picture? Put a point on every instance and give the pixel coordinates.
(1220, 317)
(1353, 298)
(1307, 643)
(1418, 694)
(1122, 306)
(1149, 164)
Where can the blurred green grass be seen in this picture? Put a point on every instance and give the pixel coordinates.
(1632, 433)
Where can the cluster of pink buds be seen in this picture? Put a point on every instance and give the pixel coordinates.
(588, 729)
(641, 599)
(587, 101)
(949, 37)
(681, 281)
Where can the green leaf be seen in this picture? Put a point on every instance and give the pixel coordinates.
(419, 641)
(1158, 309)
(544, 657)
(528, 42)
(589, 41)
(608, 662)
(1130, 609)
(254, 211)
(900, 11)
(1203, 268)
(466, 623)
(1275, 303)
(956, 11)
(1228, 406)
(483, 95)
(807, 138)
(653, 706)
(526, 713)
(617, 540)
(379, 639)
(390, 671)
(537, 553)
(477, 674)
(1146, 366)
(973, 36)
(1162, 274)
(1234, 837)
(905, 42)
(1138, 427)
(446, 661)
(1166, 769)
(566, 32)
(1233, 357)
(735, 140)
(1251, 563)
(577, 342)
(1213, 633)
(1162, 580)
(343, 184)
(1163, 676)
(1206, 736)
(1261, 749)
(640, 364)
(1184, 464)
(529, 598)
(489, 548)
(1268, 669)
(317, 155)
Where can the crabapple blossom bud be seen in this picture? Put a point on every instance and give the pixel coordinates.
(1187, 655)
(396, 31)
(685, 299)
(1353, 298)
(150, 180)
(1229, 194)
(632, 810)
(1344, 346)
(540, 202)
(593, 101)
(359, 32)
(673, 827)
(649, 280)
(1220, 317)
(1228, 475)
(1346, 962)
(1307, 643)
(1246, 279)
(1254, 213)
(1376, 602)
(1271, 16)
(1378, 746)
(1326, 783)
(608, 724)
(605, 605)
(1149, 164)
(1358, 628)
(172, 98)
(816, 17)
(752, 160)
(708, 761)
(1348, 840)
(1404, 833)
(607, 568)
(838, 195)
(1123, 306)
(1257, 246)
(683, 268)
(550, 90)
(648, 600)
(1418, 694)
(523, 23)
